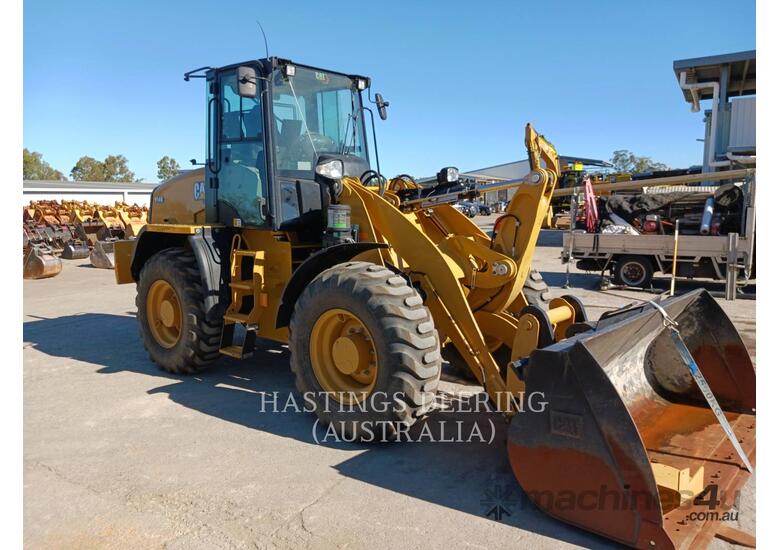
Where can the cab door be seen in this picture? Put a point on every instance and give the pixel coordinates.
(237, 193)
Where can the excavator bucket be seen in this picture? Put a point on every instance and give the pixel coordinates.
(102, 255)
(133, 228)
(38, 263)
(626, 444)
(75, 250)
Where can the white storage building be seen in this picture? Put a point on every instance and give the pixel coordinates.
(100, 192)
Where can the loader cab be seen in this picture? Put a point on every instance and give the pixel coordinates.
(270, 123)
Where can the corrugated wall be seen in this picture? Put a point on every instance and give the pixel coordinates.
(742, 133)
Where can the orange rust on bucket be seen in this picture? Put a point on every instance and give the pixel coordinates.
(620, 399)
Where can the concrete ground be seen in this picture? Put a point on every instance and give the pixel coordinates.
(119, 454)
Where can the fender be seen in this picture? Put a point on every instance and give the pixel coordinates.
(209, 247)
(149, 243)
(211, 250)
(313, 266)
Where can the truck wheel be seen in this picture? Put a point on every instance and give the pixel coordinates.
(172, 316)
(364, 351)
(634, 271)
(536, 291)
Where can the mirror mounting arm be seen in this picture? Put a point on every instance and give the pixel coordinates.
(373, 132)
(192, 74)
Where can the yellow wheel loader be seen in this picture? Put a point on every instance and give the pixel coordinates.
(287, 233)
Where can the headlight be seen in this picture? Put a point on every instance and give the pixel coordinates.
(449, 174)
(331, 169)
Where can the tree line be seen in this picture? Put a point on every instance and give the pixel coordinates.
(627, 162)
(112, 168)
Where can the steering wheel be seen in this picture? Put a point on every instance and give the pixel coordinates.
(301, 147)
(321, 142)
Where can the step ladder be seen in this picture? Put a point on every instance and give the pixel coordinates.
(240, 290)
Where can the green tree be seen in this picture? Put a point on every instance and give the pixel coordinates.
(35, 168)
(113, 168)
(87, 169)
(167, 167)
(626, 161)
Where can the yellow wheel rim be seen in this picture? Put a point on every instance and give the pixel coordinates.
(163, 313)
(343, 356)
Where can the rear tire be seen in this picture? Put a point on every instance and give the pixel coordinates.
(633, 271)
(197, 344)
(536, 291)
(407, 360)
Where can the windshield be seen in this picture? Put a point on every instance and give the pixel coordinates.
(315, 112)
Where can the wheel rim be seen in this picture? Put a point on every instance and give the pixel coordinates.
(343, 356)
(633, 273)
(163, 313)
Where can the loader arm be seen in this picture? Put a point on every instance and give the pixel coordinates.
(622, 415)
(472, 283)
(517, 231)
(540, 150)
(438, 275)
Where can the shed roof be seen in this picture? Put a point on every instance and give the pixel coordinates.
(88, 185)
(742, 72)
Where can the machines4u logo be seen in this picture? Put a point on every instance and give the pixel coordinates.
(497, 501)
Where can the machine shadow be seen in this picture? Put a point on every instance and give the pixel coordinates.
(466, 468)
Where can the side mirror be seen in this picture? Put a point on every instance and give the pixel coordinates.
(247, 82)
(381, 105)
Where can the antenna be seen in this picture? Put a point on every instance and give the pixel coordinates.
(264, 38)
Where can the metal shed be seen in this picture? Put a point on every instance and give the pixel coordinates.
(100, 192)
(729, 81)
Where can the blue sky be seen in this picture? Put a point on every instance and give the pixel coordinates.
(463, 78)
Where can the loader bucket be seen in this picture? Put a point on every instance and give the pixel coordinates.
(75, 250)
(626, 439)
(40, 264)
(102, 255)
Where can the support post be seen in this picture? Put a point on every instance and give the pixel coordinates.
(732, 267)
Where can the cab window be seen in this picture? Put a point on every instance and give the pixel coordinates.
(242, 176)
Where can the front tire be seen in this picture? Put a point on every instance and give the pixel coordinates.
(364, 351)
(536, 291)
(172, 314)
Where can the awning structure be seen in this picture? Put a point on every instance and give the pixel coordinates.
(738, 68)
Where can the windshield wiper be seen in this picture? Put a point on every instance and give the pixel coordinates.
(344, 145)
(303, 117)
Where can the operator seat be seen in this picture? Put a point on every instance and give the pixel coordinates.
(286, 139)
(245, 186)
(253, 127)
(231, 125)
